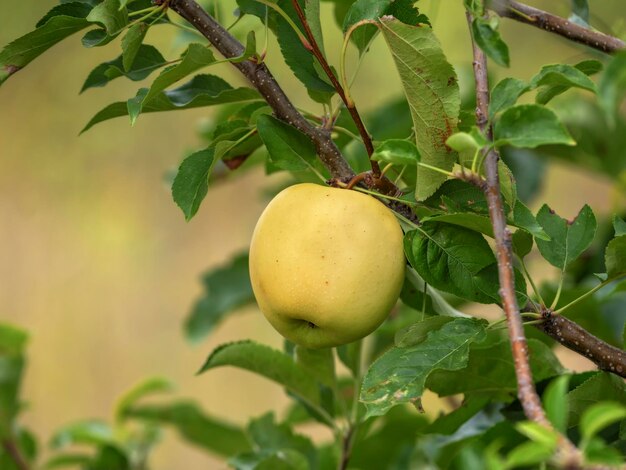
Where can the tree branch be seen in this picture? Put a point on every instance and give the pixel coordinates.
(567, 454)
(356, 117)
(11, 448)
(526, 390)
(557, 25)
(262, 79)
(575, 337)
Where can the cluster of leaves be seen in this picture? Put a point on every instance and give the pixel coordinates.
(428, 343)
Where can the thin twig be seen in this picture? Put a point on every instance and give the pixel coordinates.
(557, 25)
(568, 454)
(356, 117)
(11, 448)
(575, 337)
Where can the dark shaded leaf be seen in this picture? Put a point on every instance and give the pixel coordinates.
(227, 288)
(147, 59)
(288, 148)
(568, 239)
(490, 370)
(195, 57)
(193, 425)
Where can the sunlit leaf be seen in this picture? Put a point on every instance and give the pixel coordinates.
(399, 375)
(530, 125)
(431, 88)
(270, 363)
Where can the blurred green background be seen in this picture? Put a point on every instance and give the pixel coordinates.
(97, 262)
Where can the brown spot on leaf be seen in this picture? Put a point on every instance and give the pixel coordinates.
(11, 69)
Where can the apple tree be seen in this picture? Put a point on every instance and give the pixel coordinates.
(456, 164)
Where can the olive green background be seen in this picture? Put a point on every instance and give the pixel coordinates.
(97, 262)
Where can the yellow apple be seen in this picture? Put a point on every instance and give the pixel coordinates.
(326, 264)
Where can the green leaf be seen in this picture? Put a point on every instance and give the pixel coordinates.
(68, 460)
(601, 386)
(452, 259)
(491, 371)
(90, 432)
(227, 288)
(418, 332)
(96, 38)
(431, 88)
(320, 363)
(108, 457)
(558, 78)
(142, 389)
(615, 257)
(363, 10)
(13, 340)
(524, 218)
(396, 151)
(146, 60)
(191, 183)
(619, 226)
(580, 9)
(555, 402)
(522, 242)
(475, 222)
(449, 423)
(612, 86)
(12, 345)
(110, 15)
(194, 426)
(61, 22)
(599, 416)
(547, 92)
(286, 459)
(529, 454)
(399, 375)
(202, 90)
(486, 35)
(568, 239)
(505, 94)
(131, 44)
(461, 141)
(297, 57)
(312, 15)
(195, 57)
(288, 148)
(413, 282)
(274, 439)
(268, 362)
(530, 125)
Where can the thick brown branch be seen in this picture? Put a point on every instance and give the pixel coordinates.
(575, 337)
(262, 79)
(557, 25)
(356, 117)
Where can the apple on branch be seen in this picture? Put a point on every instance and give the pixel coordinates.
(326, 264)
